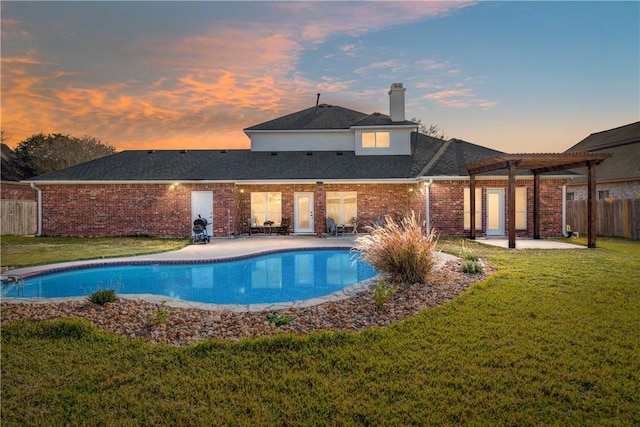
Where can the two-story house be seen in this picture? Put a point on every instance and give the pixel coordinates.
(324, 161)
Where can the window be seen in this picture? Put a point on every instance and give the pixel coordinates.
(603, 194)
(375, 140)
(571, 196)
(266, 207)
(342, 206)
(521, 208)
(467, 209)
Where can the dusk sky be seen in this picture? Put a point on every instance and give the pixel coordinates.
(514, 76)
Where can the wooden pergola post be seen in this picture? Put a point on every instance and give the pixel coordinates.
(511, 204)
(592, 206)
(536, 205)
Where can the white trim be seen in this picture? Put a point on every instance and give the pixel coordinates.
(250, 132)
(297, 181)
(385, 127)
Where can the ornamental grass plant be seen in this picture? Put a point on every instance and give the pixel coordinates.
(399, 249)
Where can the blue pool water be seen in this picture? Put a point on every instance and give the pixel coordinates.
(278, 277)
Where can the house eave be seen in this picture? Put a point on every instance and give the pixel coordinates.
(488, 177)
(388, 126)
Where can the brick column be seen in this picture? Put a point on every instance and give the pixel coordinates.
(320, 212)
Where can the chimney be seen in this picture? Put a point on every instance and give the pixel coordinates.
(396, 102)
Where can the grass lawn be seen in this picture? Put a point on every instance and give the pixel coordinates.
(552, 338)
(23, 251)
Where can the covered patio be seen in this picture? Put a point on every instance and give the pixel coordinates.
(537, 164)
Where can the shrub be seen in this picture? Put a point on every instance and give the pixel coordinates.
(471, 266)
(383, 292)
(103, 296)
(278, 319)
(399, 249)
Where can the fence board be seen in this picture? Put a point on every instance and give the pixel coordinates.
(18, 217)
(616, 217)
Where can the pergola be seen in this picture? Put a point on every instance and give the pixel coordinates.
(538, 164)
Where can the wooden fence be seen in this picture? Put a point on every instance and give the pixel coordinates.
(615, 217)
(18, 217)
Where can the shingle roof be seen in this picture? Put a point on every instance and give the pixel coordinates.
(624, 143)
(245, 165)
(616, 136)
(324, 117)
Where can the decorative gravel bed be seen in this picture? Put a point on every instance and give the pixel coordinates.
(180, 326)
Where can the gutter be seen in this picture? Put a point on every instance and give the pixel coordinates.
(33, 185)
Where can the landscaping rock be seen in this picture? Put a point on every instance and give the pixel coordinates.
(181, 326)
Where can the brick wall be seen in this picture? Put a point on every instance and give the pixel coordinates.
(160, 210)
(447, 206)
(164, 210)
(17, 191)
(617, 190)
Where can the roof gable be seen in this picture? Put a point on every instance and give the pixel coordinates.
(315, 118)
(624, 143)
(609, 138)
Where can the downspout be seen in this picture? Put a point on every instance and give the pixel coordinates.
(564, 209)
(428, 205)
(39, 208)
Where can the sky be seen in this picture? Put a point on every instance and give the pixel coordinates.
(514, 76)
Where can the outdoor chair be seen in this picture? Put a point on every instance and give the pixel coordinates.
(333, 228)
(284, 226)
(378, 222)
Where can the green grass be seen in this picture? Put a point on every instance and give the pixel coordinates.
(552, 338)
(23, 251)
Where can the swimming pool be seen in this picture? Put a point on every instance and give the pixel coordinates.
(273, 278)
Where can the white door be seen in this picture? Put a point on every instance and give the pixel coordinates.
(202, 204)
(303, 213)
(495, 211)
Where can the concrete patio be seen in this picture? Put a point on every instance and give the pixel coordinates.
(531, 244)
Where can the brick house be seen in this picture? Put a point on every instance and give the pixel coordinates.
(320, 162)
(619, 176)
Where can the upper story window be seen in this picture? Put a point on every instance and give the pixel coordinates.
(375, 139)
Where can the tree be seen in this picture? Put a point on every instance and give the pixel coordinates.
(48, 153)
(431, 130)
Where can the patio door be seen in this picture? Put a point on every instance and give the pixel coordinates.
(303, 213)
(202, 204)
(495, 211)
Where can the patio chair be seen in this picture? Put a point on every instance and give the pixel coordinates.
(284, 226)
(378, 222)
(333, 228)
